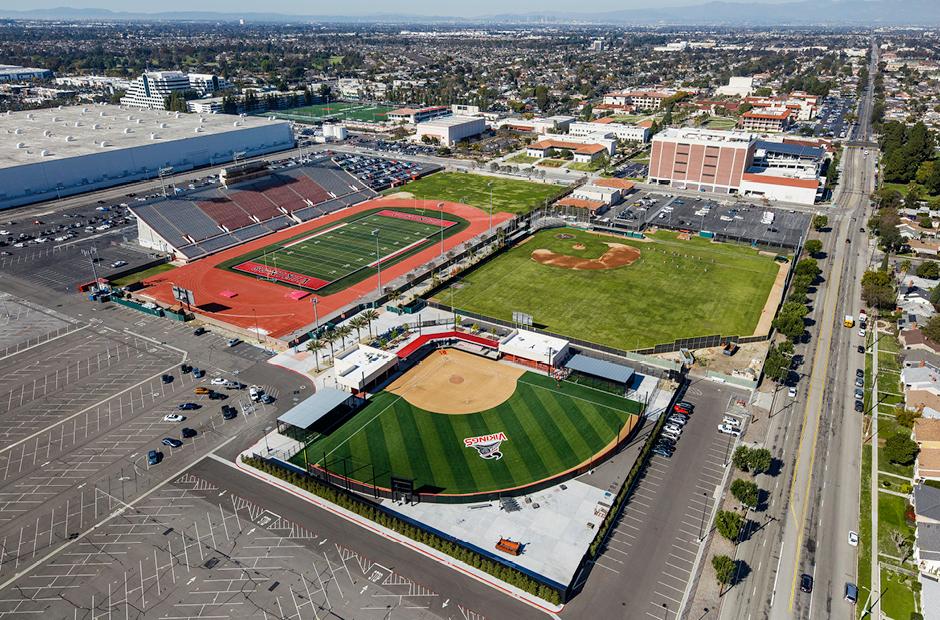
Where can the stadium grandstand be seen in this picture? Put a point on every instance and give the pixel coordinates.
(197, 223)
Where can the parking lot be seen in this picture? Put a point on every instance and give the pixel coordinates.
(393, 148)
(380, 173)
(728, 219)
(830, 120)
(650, 554)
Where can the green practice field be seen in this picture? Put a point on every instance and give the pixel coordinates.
(676, 289)
(336, 255)
(509, 195)
(337, 110)
(549, 429)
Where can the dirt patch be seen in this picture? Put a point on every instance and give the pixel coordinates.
(454, 382)
(564, 236)
(579, 246)
(617, 255)
(770, 308)
(404, 195)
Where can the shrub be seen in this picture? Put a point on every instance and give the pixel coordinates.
(745, 492)
(729, 524)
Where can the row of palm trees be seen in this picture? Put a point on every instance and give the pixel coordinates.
(339, 334)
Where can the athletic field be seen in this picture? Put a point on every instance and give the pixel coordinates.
(338, 110)
(337, 255)
(509, 195)
(675, 289)
(541, 430)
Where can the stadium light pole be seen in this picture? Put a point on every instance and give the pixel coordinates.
(316, 315)
(163, 173)
(490, 185)
(440, 206)
(378, 263)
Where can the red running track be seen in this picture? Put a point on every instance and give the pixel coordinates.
(268, 302)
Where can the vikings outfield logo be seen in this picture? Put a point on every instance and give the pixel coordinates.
(487, 445)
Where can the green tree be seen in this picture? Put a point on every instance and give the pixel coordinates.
(790, 325)
(777, 365)
(878, 289)
(901, 449)
(820, 222)
(724, 570)
(741, 458)
(907, 417)
(759, 460)
(932, 328)
(745, 492)
(813, 247)
(905, 266)
(809, 267)
(729, 524)
(928, 269)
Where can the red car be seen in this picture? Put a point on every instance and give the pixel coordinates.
(683, 407)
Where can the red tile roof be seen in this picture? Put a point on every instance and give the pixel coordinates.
(785, 181)
(577, 147)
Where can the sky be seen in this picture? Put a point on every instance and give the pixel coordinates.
(360, 7)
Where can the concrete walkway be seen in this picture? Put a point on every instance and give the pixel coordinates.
(875, 572)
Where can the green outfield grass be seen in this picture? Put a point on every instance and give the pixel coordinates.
(509, 195)
(549, 429)
(337, 255)
(721, 122)
(142, 275)
(339, 110)
(676, 289)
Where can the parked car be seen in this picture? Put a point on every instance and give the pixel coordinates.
(859, 406)
(173, 443)
(729, 430)
(662, 452)
(153, 457)
(675, 428)
(859, 373)
(806, 583)
(199, 331)
(201, 389)
(219, 381)
(861, 348)
(853, 539)
(185, 368)
(791, 392)
(731, 421)
(680, 420)
(232, 385)
(213, 395)
(255, 392)
(228, 412)
(188, 433)
(859, 394)
(267, 399)
(232, 342)
(167, 378)
(851, 592)
(173, 417)
(683, 407)
(187, 406)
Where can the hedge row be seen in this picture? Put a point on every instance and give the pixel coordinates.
(363, 508)
(625, 491)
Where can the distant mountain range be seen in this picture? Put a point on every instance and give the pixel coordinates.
(797, 13)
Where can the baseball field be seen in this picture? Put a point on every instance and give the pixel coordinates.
(461, 424)
(622, 292)
(347, 251)
(509, 195)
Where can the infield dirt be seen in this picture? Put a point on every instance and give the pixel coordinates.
(454, 382)
(617, 255)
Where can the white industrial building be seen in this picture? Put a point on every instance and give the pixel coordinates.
(150, 90)
(362, 366)
(737, 86)
(51, 153)
(525, 346)
(451, 129)
(16, 73)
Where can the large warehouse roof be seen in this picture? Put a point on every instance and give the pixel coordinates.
(58, 133)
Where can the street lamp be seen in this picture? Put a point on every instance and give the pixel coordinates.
(163, 173)
(92, 254)
(490, 185)
(440, 206)
(316, 316)
(665, 611)
(701, 528)
(267, 429)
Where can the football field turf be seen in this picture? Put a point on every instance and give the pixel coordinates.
(337, 110)
(548, 429)
(509, 195)
(344, 252)
(676, 289)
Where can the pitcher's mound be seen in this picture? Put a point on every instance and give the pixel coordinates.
(455, 382)
(617, 255)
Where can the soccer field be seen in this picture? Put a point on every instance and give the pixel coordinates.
(547, 429)
(344, 252)
(509, 195)
(675, 289)
(337, 110)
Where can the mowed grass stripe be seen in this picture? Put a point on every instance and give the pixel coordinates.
(408, 434)
(564, 441)
(464, 475)
(493, 473)
(446, 469)
(527, 441)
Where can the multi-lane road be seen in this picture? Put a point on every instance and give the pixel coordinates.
(814, 500)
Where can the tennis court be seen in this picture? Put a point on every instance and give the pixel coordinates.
(337, 110)
(348, 247)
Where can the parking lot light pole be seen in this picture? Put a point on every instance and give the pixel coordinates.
(267, 429)
(490, 185)
(378, 263)
(701, 528)
(728, 448)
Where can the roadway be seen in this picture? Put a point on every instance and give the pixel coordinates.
(814, 501)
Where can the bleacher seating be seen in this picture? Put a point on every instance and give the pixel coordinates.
(254, 203)
(226, 213)
(251, 232)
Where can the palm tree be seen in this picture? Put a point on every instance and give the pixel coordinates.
(315, 346)
(357, 323)
(343, 332)
(330, 338)
(370, 315)
(394, 297)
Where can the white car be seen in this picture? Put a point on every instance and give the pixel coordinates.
(729, 430)
(853, 539)
(218, 381)
(254, 392)
(173, 417)
(731, 421)
(861, 333)
(791, 392)
(675, 428)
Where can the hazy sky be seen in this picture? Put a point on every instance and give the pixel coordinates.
(360, 7)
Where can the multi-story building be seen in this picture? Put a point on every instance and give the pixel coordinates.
(639, 99)
(621, 131)
(98, 82)
(419, 114)
(731, 162)
(150, 90)
(583, 149)
(763, 120)
(537, 125)
(15, 73)
(800, 105)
